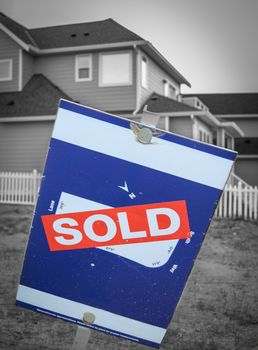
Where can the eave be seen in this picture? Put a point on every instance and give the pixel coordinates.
(233, 128)
(165, 64)
(15, 38)
(33, 118)
(84, 48)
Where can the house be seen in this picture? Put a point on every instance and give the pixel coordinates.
(100, 64)
(242, 109)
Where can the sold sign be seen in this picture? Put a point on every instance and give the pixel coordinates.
(116, 226)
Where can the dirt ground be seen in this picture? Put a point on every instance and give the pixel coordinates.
(218, 309)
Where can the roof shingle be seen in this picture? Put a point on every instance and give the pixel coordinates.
(69, 35)
(230, 103)
(92, 33)
(162, 104)
(39, 97)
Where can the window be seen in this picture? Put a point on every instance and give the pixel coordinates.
(6, 70)
(115, 68)
(83, 68)
(204, 135)
(144, 80)
(170, 90)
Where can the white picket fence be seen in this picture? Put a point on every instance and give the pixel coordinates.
(239, 201)
(19, 188)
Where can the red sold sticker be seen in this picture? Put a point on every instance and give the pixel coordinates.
(116, 226)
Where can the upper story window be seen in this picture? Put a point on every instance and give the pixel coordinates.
(6, 70)
(115, 68)
(144, 80)
(83, 67)
(170, 90)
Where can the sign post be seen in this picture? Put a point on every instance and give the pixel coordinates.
(122, 212)
(81, 339)
(151, 119)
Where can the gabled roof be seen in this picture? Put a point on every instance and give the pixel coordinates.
(69, 35)
(16, 28)
(162, 104)
(92, 33)
(82, 37)
(39, 97)
(230, 103)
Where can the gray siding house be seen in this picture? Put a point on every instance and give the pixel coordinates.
(99, 64)
(242, 109)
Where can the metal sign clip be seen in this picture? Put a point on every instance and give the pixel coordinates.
(145, 133)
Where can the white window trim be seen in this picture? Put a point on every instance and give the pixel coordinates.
(10, 76)
(167, 83)
(129, 82)
(146, 78)
(77, 78)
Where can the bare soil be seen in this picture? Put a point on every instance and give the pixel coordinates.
(218, 309)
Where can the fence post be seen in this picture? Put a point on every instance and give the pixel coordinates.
(240, 203)
(247, 195)
(230, 194)
(225, 202)
(255, 202)
(35, 187)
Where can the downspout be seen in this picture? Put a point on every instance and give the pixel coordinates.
(137, 82)
(167, 123)
(20, 73)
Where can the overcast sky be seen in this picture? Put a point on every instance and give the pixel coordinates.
(213, 43)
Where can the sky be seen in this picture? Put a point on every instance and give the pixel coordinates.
(212, 43)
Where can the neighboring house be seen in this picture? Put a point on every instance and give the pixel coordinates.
(193, 119)
(241, 108)
(99, 64)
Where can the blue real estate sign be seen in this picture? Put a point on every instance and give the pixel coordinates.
(118, 224)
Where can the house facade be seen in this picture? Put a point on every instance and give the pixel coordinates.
(242, 109)
(99, 64)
